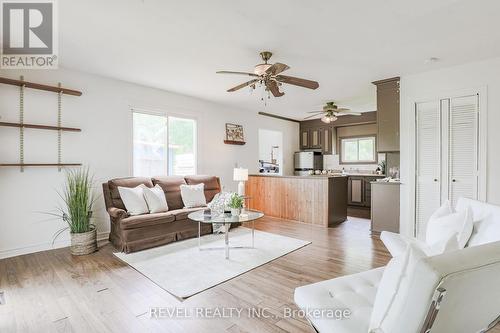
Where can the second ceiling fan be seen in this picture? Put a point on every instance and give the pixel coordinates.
(331, 112)
(269, 76)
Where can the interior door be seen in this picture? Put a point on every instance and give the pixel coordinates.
(462, 148)
(428, 163)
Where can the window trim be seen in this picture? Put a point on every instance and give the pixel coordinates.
(375, 154)
(162, 113)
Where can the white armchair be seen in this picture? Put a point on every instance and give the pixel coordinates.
(457, 291)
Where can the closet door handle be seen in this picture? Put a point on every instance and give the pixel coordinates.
(435, 179)
(454, 180)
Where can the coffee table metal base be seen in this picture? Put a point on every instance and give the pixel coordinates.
(226, 246)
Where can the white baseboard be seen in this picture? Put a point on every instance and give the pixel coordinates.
(43, 246)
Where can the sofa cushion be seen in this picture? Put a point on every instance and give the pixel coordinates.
(414, 288)
(212, 185)
(486, 221)
(133, 199)
(171, 187)
(182, 214)
(354, 292)
(193, 195)
(396, 244)
(140, 221)
(125, 182)
(445, 223)
(155, 198)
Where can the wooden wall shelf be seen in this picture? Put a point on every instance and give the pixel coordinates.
(39, 164)
(39, 86)
(231, 142)
(42, 127)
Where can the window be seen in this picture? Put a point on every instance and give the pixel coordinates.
(163, 145)
(357, 150)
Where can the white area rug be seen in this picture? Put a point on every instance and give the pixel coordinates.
(183, 270)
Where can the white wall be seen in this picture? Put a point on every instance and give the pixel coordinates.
(477, 76)
(105, 144)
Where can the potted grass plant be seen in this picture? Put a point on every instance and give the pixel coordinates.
(236, 204)
(76, 211)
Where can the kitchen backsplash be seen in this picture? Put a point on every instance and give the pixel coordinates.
(332, 162)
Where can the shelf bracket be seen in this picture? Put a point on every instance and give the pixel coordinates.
(21, 121)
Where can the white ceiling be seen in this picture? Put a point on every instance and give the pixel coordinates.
(344, 45)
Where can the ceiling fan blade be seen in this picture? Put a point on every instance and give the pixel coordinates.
(311, 116)
(238, 73)
(347, 114)
(273, 87)
(243, 85)
(316, 111)
(277, 68)
(298, 81)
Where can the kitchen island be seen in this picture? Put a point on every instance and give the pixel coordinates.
(318, 200)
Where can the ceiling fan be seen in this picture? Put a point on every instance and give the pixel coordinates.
(331, 112)
(268, 75)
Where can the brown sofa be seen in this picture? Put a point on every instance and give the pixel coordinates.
(134, 233)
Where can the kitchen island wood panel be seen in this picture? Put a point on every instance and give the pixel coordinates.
(317, 200)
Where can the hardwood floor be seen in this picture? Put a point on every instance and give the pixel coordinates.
(52, 291)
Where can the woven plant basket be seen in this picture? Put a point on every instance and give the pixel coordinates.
(84, 243)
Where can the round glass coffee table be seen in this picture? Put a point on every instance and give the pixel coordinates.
(226, 219)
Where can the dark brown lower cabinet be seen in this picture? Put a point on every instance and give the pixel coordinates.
(359, 190)
(356, 191)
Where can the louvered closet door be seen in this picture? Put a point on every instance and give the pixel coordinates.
(462, 146)
(428, 163)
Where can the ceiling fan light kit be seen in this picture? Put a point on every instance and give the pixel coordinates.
(268, 76)
(328, 119)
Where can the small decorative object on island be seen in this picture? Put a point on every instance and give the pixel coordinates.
(236, 203)
(234, 134)
(77, 211)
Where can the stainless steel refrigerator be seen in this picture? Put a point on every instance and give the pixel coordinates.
(305, 161)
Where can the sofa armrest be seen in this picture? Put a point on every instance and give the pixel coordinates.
(117, 213)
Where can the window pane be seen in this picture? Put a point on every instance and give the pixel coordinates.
(181, 146)
(149, 145)
(350, 150)
(366, 149)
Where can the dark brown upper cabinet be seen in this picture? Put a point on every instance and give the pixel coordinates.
(317, 137)
(304, 138)
(315, 134)
(327, 140)
(388, 115)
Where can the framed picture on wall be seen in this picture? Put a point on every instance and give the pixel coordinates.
(234, 132)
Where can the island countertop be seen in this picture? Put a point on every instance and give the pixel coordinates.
(317, 176)
(319, 200)
(294, 176)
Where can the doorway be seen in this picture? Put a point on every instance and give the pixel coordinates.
(270, 151)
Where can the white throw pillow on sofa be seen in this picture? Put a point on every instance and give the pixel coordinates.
(393, 286)
(445, 223)
(193, 195)
(133, 199)
(155, 199)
